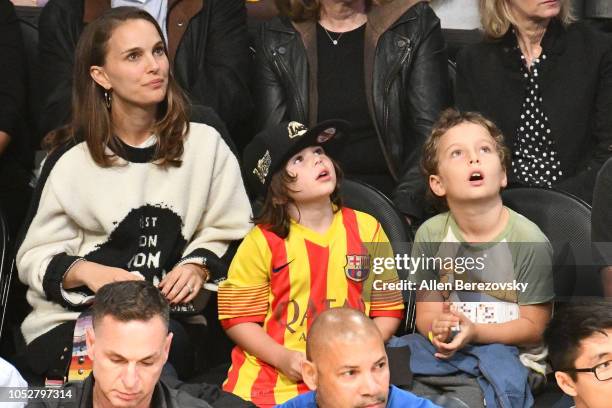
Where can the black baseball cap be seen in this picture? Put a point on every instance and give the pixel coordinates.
(271, 148)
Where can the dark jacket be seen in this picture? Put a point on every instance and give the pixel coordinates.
(169, 392)
(207, 46)
(81, 396)
(13, 86)
(576, 87)
(406, 81)
(17, 158)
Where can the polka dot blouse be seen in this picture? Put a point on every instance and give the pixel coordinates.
(535, 161)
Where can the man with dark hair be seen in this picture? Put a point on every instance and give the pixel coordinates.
(128, 346)
(347, 366)
(579, 339)
(126, 301)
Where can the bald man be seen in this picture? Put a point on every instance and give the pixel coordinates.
(347, 366)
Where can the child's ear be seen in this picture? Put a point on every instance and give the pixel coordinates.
(436, 185)
(504, 180)
(566, 383)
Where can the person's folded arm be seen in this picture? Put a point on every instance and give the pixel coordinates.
(269, 93)
(12, 75)
(59, 29)
(427, 96)
(220, 77)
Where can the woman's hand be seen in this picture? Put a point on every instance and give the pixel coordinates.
(94, 275)
(290, 364)
(183, 283)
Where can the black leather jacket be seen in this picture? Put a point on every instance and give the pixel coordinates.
(406, 78)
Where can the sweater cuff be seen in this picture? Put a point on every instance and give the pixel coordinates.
(217, 268)
(74, 299)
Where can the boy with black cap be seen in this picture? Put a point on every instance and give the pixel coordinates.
(305, 255)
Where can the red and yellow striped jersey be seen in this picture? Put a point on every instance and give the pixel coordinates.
(285, 283)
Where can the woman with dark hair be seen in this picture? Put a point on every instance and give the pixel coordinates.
(207, 43)
(381, 65)
(546, 81)
(130, 190)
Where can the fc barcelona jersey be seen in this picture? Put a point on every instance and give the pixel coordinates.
(284, 284)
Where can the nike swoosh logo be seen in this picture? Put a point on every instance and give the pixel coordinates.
(279, 268)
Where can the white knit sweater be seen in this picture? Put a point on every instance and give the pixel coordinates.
(138, 216)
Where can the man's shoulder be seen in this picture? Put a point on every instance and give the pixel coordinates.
(306, 400)
(176, 398)
(399, 398)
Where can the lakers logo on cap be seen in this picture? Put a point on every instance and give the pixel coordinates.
(263, 167)
(295, 129)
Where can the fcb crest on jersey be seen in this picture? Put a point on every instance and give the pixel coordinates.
(357, 267)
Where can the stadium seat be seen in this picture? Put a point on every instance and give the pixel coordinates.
(566, 221)
(362, 197)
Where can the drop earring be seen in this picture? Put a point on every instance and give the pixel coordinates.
(108, 98)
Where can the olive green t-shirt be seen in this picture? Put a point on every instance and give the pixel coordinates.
(486, 281)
